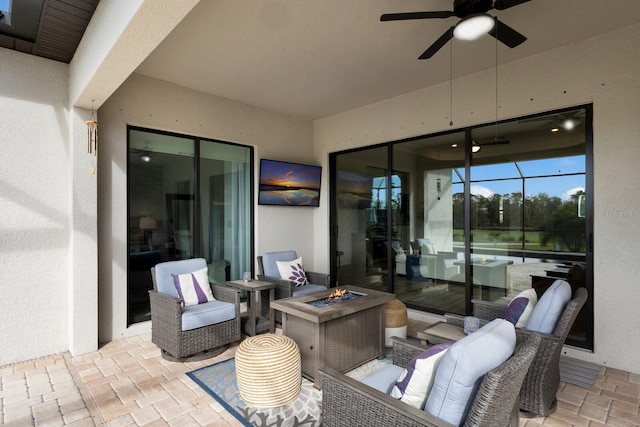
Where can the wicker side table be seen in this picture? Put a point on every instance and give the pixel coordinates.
(268, 370)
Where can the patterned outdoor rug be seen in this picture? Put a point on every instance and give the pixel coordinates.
(219, 380)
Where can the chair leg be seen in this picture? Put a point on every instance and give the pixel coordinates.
(515, 414)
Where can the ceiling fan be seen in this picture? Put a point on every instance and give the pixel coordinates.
(498, 140)
(476, 145)
(566, 121)
(468, 11)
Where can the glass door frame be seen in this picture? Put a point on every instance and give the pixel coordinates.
(193, 201)
(468, 132)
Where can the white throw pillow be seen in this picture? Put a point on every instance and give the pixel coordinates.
(293, 271)
(193, 288)
(414, 384)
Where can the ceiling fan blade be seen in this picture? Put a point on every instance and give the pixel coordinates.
(506, 34)
(506, 4)
(495, 142)
(437, 45)
(416, 15)
(552, 118)
(557, 117)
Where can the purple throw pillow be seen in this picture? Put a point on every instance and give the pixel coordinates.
(520, 308)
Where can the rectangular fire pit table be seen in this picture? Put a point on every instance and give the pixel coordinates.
(342, 335)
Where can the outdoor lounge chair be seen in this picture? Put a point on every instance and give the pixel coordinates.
(181, 332)
(538, 393)
(268, 272)
(347, 402)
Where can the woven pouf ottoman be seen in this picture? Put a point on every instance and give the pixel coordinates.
(268, 370)
(395, 321)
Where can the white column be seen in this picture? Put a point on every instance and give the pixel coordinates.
(83, 239)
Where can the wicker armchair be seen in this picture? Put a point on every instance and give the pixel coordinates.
(167, 315)
(347, 402)
(538, 393)
(268, 272)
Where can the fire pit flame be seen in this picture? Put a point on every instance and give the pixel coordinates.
(338, 293)
(337, 296)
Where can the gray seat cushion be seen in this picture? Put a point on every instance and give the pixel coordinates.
(209, 313)
(383, 379)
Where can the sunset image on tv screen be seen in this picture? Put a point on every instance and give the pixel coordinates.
(289, 184)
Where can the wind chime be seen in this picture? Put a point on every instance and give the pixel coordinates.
(92, 138)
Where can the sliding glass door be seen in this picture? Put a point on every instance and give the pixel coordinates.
(188, 197)
(360, 224)
(430, 279)
(484, 212)
(528, 219)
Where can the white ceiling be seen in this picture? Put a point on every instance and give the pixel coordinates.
(315, 58)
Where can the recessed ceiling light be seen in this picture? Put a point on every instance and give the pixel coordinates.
(555, 129)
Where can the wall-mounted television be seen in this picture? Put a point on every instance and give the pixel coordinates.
(289, 184)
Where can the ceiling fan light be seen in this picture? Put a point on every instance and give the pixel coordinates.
(474, 26)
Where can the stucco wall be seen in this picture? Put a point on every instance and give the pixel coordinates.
(154, 104)
(602, 70)
(43, 225)
(35, 165)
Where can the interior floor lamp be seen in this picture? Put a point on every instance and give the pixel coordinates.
(147, 225)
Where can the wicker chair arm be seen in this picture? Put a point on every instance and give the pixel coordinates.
(227, 294)
(318, 278)
(404, 350)
(347, 402)
(549, 351)
(458, 320)
(166, 310)
(454, 319)
(168, 302)
(522, 334)
(487, 310)
(283, 287)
